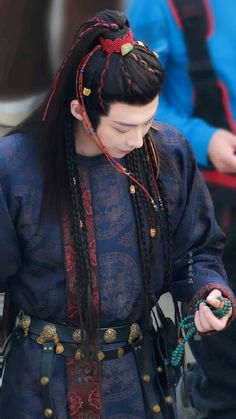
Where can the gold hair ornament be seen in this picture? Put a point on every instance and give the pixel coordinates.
(126, 48)
(86, 91)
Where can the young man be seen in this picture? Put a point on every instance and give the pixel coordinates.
(100, 214)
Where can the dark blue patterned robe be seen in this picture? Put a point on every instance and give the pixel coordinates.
(32, 266)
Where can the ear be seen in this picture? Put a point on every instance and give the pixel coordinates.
(76, 109)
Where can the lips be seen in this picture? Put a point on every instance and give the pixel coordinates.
(126, 151)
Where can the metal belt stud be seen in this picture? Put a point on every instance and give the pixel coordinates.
(120, 352)
(79, 355)
(100, 356)
(48, 413)
(44, 381)
(110, 335)
(59, 348)
(156, 408)
(25, 324)
(169, 400)
(49, 332)
(77, 337)
(134, 333)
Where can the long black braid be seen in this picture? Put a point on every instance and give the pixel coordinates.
(142, 163)
(143, 209)
(133, 165)
(165, 222)
(167, 240)
(83, 264)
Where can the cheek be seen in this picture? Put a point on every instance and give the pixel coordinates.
(146, 129)
(103, 134)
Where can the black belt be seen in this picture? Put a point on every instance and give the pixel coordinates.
(75, 351)
(68, 334)
(66, 341)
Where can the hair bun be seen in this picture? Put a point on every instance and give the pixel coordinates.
(116, 17)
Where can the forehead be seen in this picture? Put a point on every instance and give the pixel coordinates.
(132, 114)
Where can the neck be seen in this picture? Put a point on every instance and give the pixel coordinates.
(84, 143)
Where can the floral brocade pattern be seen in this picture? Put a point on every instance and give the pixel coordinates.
(83, 381)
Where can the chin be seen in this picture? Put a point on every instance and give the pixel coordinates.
(122, 153)
(118, 154)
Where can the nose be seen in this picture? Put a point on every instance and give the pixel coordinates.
(136, 139)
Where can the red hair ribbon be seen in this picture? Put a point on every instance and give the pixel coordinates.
(121, 45)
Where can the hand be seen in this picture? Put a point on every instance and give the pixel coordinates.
(205, 320)
(221, 151)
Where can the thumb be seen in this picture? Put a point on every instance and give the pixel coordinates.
(212, 298)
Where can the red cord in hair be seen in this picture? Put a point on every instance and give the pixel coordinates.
(102, 81)
(100, 23)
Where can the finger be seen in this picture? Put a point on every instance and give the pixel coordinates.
(213, 300)
(231, 162)
(204, 318)
(210, 319)
(214, 293)
(198, 323)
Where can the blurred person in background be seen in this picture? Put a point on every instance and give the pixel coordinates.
(34, 36)
(25, 59)
(195, 40)
(83, 275)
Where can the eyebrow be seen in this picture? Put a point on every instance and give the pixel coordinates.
(134, 125)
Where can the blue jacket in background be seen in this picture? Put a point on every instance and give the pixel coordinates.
(154, 23)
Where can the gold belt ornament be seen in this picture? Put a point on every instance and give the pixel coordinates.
(25, 322)
(49, 332)
(134, 333)
(110, 335)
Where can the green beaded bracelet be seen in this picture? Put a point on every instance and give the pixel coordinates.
(188, 326)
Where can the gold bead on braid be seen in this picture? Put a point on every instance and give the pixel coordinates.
(152, 232)
(132, 189)
(86, 91)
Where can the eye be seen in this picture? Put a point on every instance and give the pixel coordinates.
(121, 132)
